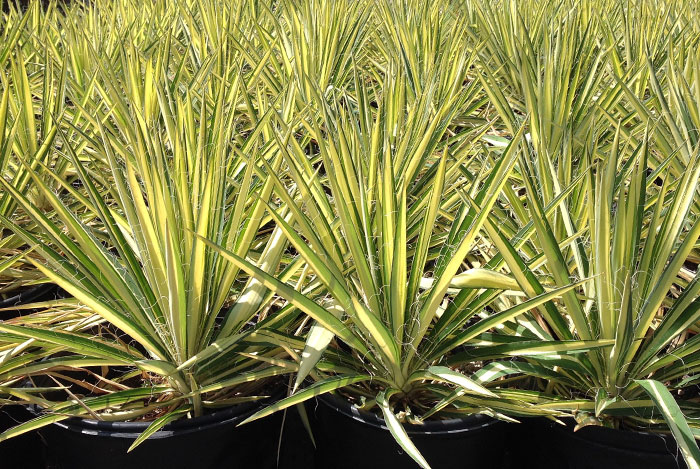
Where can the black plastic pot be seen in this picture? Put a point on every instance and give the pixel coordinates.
(24, 451)
(595, 447)
(296, 450)
(210, 441)
(42, 292)
(349, 438)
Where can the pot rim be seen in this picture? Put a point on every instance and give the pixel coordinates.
(27, 295)
(183, 426)
(469, 423)
(623, 440)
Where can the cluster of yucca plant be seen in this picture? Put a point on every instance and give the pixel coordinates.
(434, 208)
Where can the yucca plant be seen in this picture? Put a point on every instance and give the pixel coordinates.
(371, 240)
(606, 193)
(22, 135)
(38, 90)
(169, 306)
(481, 207)
(632, 228)
(320, 42)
